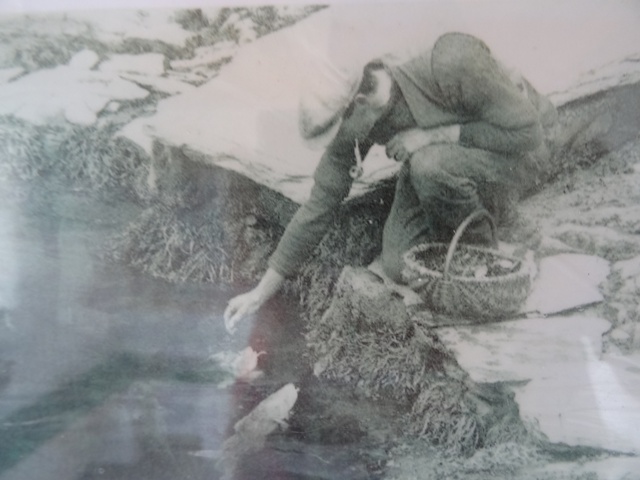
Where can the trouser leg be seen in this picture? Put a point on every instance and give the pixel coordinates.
(437, 189)
(406, 225)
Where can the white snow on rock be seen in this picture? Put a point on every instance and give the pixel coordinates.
(114, 26)
(616, 74)
(245, 119)
(594, 403)
(46, 94)
(526, 349)
(138, 132)
(564, 386)
(84, 60)
(146, 64)
(566, 282)
(628, 268)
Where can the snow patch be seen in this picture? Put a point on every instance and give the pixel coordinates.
(45, 94)
(628, 268)
(84, 60)
(114, 26)
(591, 403)
(566, 282)
(521, 350)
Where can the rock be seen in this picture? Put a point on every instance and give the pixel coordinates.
(205, 57)
(84, 60)
(619, 335)
(636, 337)
(593, 403)
(620, 312)
(522, 350)
(614, 74)
(612, 468)
(552, 246)
(366, 294)
(603, 241)
(567, 282)
(628, 268)
(45, 94)
(622, 218)
(563, 386)
(145, 64)
(273, 411)
(115, 26)
(630, 288)
(252, 430)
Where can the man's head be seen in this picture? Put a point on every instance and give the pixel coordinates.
(359, 99)
(374, 90)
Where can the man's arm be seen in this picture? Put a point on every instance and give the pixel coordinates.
(476, 86)
(332, 184)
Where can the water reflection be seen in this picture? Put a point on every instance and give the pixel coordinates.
(108, 373)
(103, 372)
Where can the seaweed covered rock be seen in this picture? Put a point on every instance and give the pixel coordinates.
(369, 341)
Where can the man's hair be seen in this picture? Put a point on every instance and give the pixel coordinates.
(368, 84)
(369, 81)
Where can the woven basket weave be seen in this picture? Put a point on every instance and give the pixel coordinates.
(473, 283)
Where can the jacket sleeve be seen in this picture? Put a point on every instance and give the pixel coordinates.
(308, 226)
(498, 115)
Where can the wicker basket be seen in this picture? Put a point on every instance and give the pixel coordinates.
(467, 281)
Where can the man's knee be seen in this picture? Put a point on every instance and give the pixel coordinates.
(436, 171)
(429, 161)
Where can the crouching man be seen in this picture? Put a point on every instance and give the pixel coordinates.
(470, 135)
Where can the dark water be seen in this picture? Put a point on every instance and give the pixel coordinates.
(107, 373)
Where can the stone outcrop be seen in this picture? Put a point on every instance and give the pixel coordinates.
(565, 390)
(44, 95)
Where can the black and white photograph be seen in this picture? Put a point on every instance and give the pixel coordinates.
(391, 240)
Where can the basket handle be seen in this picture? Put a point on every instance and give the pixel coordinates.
(460, 230)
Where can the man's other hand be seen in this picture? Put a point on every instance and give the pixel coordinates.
(404, 144)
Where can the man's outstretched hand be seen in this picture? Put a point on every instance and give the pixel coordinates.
(249, 303)
(240, 307)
